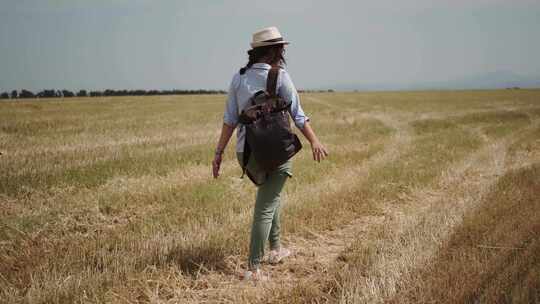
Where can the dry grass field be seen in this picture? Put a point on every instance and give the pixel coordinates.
(426, 197)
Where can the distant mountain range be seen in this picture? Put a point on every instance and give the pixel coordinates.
(492, 80)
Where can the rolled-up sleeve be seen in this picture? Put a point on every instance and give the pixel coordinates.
(230, 116)
(287, 91)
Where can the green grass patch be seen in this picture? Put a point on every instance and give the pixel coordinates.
(429, 156)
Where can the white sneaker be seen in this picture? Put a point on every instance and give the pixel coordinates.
(254, 275)
(277, 255)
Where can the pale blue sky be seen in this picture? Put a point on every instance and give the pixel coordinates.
(161, 44)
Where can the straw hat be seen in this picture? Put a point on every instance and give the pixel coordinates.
(267, 36)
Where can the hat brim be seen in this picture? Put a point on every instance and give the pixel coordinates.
(259, 44)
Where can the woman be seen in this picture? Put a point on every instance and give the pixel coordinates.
(267, 50)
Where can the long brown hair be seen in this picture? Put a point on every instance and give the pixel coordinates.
(273, 53)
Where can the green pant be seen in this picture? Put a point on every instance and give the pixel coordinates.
(266, 224)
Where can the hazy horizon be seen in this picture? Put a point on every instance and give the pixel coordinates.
(142, 44)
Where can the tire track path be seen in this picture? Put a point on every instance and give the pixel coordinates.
(411, 239)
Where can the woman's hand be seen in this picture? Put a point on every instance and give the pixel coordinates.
(216, 164)
(226, 132)
(319, 151)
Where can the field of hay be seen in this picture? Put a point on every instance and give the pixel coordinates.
(425, 197)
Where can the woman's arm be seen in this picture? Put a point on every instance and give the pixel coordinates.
(226, 133)
(289, 92)
(230, 120)
(318, 150)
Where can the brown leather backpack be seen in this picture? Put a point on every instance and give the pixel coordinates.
(269, 138)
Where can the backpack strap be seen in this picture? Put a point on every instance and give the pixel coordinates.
(271, 81)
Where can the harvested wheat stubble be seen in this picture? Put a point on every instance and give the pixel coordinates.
(315, 253)
(411, 240)
(147, 235)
